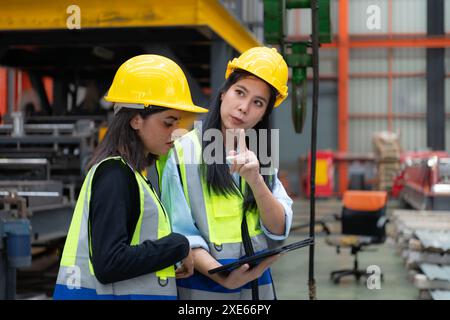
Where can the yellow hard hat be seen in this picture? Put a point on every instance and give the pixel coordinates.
(265, 63)
(151, 80)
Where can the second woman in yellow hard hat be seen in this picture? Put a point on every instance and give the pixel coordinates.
(120, 244)
(229, 210)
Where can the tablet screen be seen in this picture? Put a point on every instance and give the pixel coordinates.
(258, 257)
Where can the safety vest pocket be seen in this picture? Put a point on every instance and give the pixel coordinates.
(225, 220)
(226, 207)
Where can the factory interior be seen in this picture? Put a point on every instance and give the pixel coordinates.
(367, 117)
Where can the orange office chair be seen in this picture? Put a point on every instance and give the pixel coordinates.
(363, 223)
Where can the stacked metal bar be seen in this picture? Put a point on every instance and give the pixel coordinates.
(423, 240)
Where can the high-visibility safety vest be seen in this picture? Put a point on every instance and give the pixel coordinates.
(219, 220)
(76, 277)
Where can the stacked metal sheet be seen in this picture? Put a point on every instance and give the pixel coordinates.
(434, 282)
(434, 240)
(440, 294)
(423, 240)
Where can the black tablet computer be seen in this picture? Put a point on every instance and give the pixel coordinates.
(257, 258)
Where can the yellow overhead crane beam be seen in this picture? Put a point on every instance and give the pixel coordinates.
(51, 14)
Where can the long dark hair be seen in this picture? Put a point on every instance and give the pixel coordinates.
(217, 175)
(122, 140)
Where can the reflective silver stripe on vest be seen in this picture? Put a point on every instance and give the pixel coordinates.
(149, 224)
(194, 185)
(265, 293)
(198, 210)
(147, 284)
(142, 285)
(83, 246)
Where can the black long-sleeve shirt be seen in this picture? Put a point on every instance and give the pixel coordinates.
(114, 212)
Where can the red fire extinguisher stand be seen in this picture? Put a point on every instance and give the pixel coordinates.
(324, 174)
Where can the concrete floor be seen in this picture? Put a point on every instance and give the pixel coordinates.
(290, 272)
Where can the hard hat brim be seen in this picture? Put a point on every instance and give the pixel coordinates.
(189, 108)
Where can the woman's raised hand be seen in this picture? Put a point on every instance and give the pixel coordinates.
(245, 162)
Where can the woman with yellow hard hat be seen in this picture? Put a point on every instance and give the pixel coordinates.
(229, 210)
(120, 244)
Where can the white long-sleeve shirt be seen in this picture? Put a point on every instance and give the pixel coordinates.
(173, 199)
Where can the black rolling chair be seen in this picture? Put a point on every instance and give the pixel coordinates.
(363, 223)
